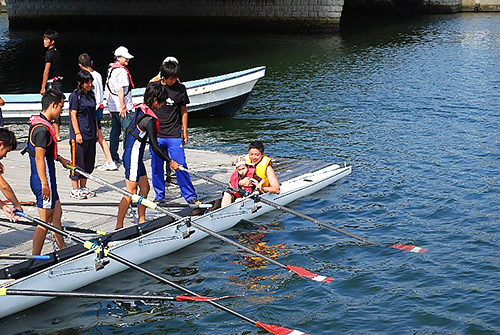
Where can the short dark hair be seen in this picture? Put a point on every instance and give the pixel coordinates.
(170, 69)
(51, 96)
(256, 145)
(155, 91)
(51, 35)
(8, 138)
(83, 77)
(85, 60)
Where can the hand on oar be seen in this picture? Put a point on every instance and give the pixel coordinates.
(257, 197)
(36, 293)
(107, 253)
(140, 200)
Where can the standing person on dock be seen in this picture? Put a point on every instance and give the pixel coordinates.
(8, 143)
(119, 86)
(86, 63)
(42, 149)
(263, 169)
(82, 134)
(144, 126)
(173, 133)
(52, 77)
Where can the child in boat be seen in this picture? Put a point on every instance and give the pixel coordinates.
(8, 143)
(263, 168)
(244, 171)
(144, 125)
(42, 149)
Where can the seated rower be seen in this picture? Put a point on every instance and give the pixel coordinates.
(8, 143)
(144, 126)
(263, 169)
(243, 171)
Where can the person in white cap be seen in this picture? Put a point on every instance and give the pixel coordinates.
(119, 86)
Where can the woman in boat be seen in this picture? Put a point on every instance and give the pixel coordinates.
(244, 170)
(145, 124)
(263, 169)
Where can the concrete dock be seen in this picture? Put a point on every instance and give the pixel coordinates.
(88, 213)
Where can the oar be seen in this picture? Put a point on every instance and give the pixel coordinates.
(142, 201)
(67, 228)
(36, 293)
(20, 256)
(114, 204)
(97, 249)
(256, 197)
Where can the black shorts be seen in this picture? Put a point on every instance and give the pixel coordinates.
(82, 156)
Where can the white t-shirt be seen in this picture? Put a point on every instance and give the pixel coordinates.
(119, 78)
(99, 96)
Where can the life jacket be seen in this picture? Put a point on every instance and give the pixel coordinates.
(38, 121)
(113, 67)
(261, 168)
(235, 177)
(141, 111)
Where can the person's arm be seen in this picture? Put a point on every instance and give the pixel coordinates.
(153, 142)
(121, 98)
(74, 123)
(45, 77)
(184, 120)
(8, 192)
(2, 102)
(274, 185)
(40, 169)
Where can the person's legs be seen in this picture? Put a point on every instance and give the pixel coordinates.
(125, 203)
(157, 174)
(114, 135)
(143, 190)
(125, 123)
(104, 146)
(56, 222)
(45, 215)
(176, 152)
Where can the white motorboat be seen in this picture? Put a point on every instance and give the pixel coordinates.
(223, 95)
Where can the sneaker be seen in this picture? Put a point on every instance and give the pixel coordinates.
(108, 166)
(77, 194)
(86, 192)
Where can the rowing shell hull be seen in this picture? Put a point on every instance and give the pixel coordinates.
(223, 95)
(80, 271)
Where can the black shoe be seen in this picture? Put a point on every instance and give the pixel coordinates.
(161, 202)
(194, 201)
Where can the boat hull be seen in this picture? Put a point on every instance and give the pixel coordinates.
(222, 96)
(80, 270)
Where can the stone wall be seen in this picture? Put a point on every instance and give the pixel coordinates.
(313, 13)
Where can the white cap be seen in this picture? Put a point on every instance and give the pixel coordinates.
(123, 52)
(170, 59)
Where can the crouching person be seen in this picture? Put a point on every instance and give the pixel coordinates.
(42, 149)
(144, 126)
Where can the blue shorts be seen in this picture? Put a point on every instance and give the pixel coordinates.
(99, 116)
(133, 161)
(36, 188)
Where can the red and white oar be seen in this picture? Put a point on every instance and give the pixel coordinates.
(257, 197)
(273, 329)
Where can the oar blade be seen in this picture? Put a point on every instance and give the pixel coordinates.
(408, 247)
(200, 298)
(309, 275)
(278, 330)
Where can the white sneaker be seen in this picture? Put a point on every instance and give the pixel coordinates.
(108, 166)
(86, 192)
(77, 194)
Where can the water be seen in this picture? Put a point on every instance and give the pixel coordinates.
(413, 105)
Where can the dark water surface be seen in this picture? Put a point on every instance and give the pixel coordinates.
(413, 105)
